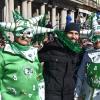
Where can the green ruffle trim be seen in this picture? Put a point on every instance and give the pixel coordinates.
(67, 42)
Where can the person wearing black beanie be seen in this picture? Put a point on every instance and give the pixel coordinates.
(60, 59)
(72, 26)
(72, 31)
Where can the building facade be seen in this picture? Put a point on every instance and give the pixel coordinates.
(56, 10)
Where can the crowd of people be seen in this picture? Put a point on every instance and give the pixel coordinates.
(65, 67)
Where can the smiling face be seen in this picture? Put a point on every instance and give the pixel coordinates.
(73, 35)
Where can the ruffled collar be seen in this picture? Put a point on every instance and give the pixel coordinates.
(28, 52)
(94, 55)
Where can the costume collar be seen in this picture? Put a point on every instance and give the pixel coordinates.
(30, 54)
(94, 55)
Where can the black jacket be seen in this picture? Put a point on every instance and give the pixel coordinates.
(59, 66)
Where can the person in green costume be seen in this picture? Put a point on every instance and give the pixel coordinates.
(88, 83)
(88, 78)
(20, 69)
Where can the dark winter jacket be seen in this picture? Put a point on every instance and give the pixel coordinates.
(60, 64)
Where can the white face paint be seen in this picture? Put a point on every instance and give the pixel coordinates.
(28, 32)
(21, 32)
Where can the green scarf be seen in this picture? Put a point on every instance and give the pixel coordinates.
(67, 42)
(21, 47)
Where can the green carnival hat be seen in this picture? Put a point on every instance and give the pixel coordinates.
(97, 29)
(96, 38)
(95, 24)
(21, 25)
(85, 31)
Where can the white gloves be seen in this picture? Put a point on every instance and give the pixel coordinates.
(0, 96)
(42, 90)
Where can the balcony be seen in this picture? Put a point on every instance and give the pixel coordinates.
(93, 4)
(90, 3)
(98, 7)
(78, 1)
(86, 2)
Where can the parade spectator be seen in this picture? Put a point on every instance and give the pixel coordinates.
(61, 58)
(78, 20)
(68, 17)
(50, 35)
(88, 82)
(49, 25)
(87, 44)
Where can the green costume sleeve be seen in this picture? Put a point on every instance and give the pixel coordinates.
(1, 68)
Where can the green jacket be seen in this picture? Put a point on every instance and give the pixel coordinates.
(19, 76)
